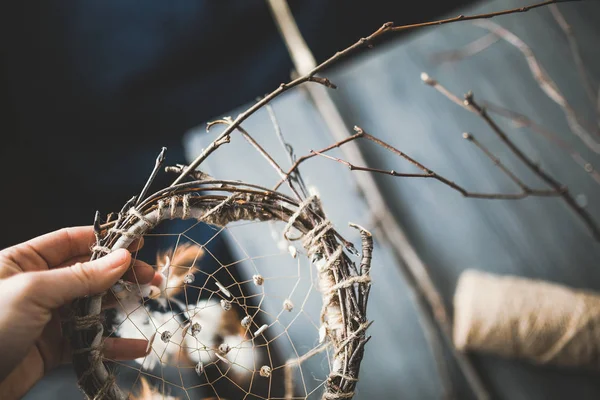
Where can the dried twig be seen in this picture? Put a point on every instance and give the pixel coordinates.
(583, 74)
(547, 85)
(159, 161)
(522, 120)
(476, 46)
(289, 150)
(310, 76)
(470, 105)
(428, 173)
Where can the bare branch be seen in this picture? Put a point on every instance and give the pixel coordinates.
(361, 43)
(159, 161)
(522, 120)
(583, 74)
(428, 173)
(470, 105)
(547, 85)
(295, 176)
(469, 50)
(294, 167)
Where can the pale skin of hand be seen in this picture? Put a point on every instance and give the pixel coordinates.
(38, 278)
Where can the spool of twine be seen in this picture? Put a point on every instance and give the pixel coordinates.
(535, 320)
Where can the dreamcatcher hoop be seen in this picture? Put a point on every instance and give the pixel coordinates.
(344, 286)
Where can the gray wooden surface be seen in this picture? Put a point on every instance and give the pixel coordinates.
(381, 91)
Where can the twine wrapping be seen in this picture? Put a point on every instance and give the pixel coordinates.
(344, 288)
(542, 322)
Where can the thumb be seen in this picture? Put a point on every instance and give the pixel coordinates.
(60, 286)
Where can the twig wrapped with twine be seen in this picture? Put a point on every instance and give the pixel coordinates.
(345, 287)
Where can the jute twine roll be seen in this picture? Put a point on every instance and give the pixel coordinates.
(539, 321)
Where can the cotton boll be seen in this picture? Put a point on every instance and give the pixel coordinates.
(163, 352)
(143, 324)
(207, 314)
(242, 356)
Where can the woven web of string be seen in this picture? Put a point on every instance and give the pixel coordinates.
(237, 324)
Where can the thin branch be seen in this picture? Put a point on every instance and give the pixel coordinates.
(469, 50)
(228, 121)
(289, 149)
(545, 83)
(481, 16)
(157, 164)
(472, 106)
(526, 189)
(299, 161)
(310, 76)
(522, 120)
(573, 45)
(428, 173)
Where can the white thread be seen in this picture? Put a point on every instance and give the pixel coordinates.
(160, 210)
(173, 206)
(312, 238)
(301, 208)
(217, 207)
(186, 327)
(334, 257)
(330, 312)
(133, 211)
(349, 282)
(220, 357)
(102, 249)
(341, 346)
(199, 368)
(123, 232)
(186, 206)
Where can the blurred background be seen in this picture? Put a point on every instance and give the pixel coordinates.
(92, 90)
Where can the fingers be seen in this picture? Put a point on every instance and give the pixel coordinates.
(55, 248)
(140, 273)
(117, 349)
(57, 287)
(125, 349)
(136, 245)
(52, 249)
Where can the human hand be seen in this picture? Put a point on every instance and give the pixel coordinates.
(38, 279)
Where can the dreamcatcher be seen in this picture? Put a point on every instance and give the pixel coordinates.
(207, 330)
(211, 333)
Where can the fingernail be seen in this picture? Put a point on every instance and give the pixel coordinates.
(121, 258)
(149, 346)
